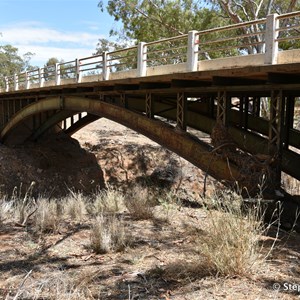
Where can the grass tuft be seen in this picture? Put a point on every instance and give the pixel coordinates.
(75, 206)
(5, 210)
(232, 244)
(108, 234)
(46, 218)
(109, 201)
(139, 203)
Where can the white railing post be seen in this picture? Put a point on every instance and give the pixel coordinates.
(41, 77)
(78, 72)
(192, 51)
(6, 84)
(105, 66)
(27, 81)
(270, 40)
(142, 60)
(16, 82)
(57, 74)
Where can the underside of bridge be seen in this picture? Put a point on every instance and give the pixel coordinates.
(250, 140)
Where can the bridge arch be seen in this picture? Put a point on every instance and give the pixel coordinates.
(182, 143)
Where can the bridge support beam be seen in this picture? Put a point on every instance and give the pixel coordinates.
(124, 101)
(275, 131)
(181, 111)
(149, 105)
(222, 107)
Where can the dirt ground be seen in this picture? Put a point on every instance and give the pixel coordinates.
(154, 265)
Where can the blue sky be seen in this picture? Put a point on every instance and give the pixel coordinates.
(66, 29)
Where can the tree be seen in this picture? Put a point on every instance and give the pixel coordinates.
(11, 62)
(148, 20)
(66, 70)
(238, 11)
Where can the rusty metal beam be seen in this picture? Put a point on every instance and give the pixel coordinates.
(181, 111)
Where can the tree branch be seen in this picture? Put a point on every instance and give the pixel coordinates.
(158, 21)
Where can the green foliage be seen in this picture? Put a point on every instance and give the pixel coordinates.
(67, 70)
(11, 62)
(152, 20)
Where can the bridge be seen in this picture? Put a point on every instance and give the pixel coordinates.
(239, 83)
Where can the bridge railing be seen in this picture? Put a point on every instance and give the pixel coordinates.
(288, 29)
(239, 39)
(262, 41)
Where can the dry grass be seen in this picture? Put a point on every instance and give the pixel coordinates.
(290, 184)
(46, 218)
(109, 201)
(57, 286)
(74, 206)
(108, 234)
(232, 244)
(6, 208)
(139, 203)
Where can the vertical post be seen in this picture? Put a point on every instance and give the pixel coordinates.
(124, 101)
(181, 111)
(149, 105)
(256, 106)
(27, 81)
(6, 84)
(105, 66)
(41, 77)
(16, 82)
(57, 74)
(222, 107)
(288, 119)
(142, 60)
(275, 131)
(270, 40)
(78, 72)
(192, 51)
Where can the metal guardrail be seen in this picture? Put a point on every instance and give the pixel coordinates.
(264, 36)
